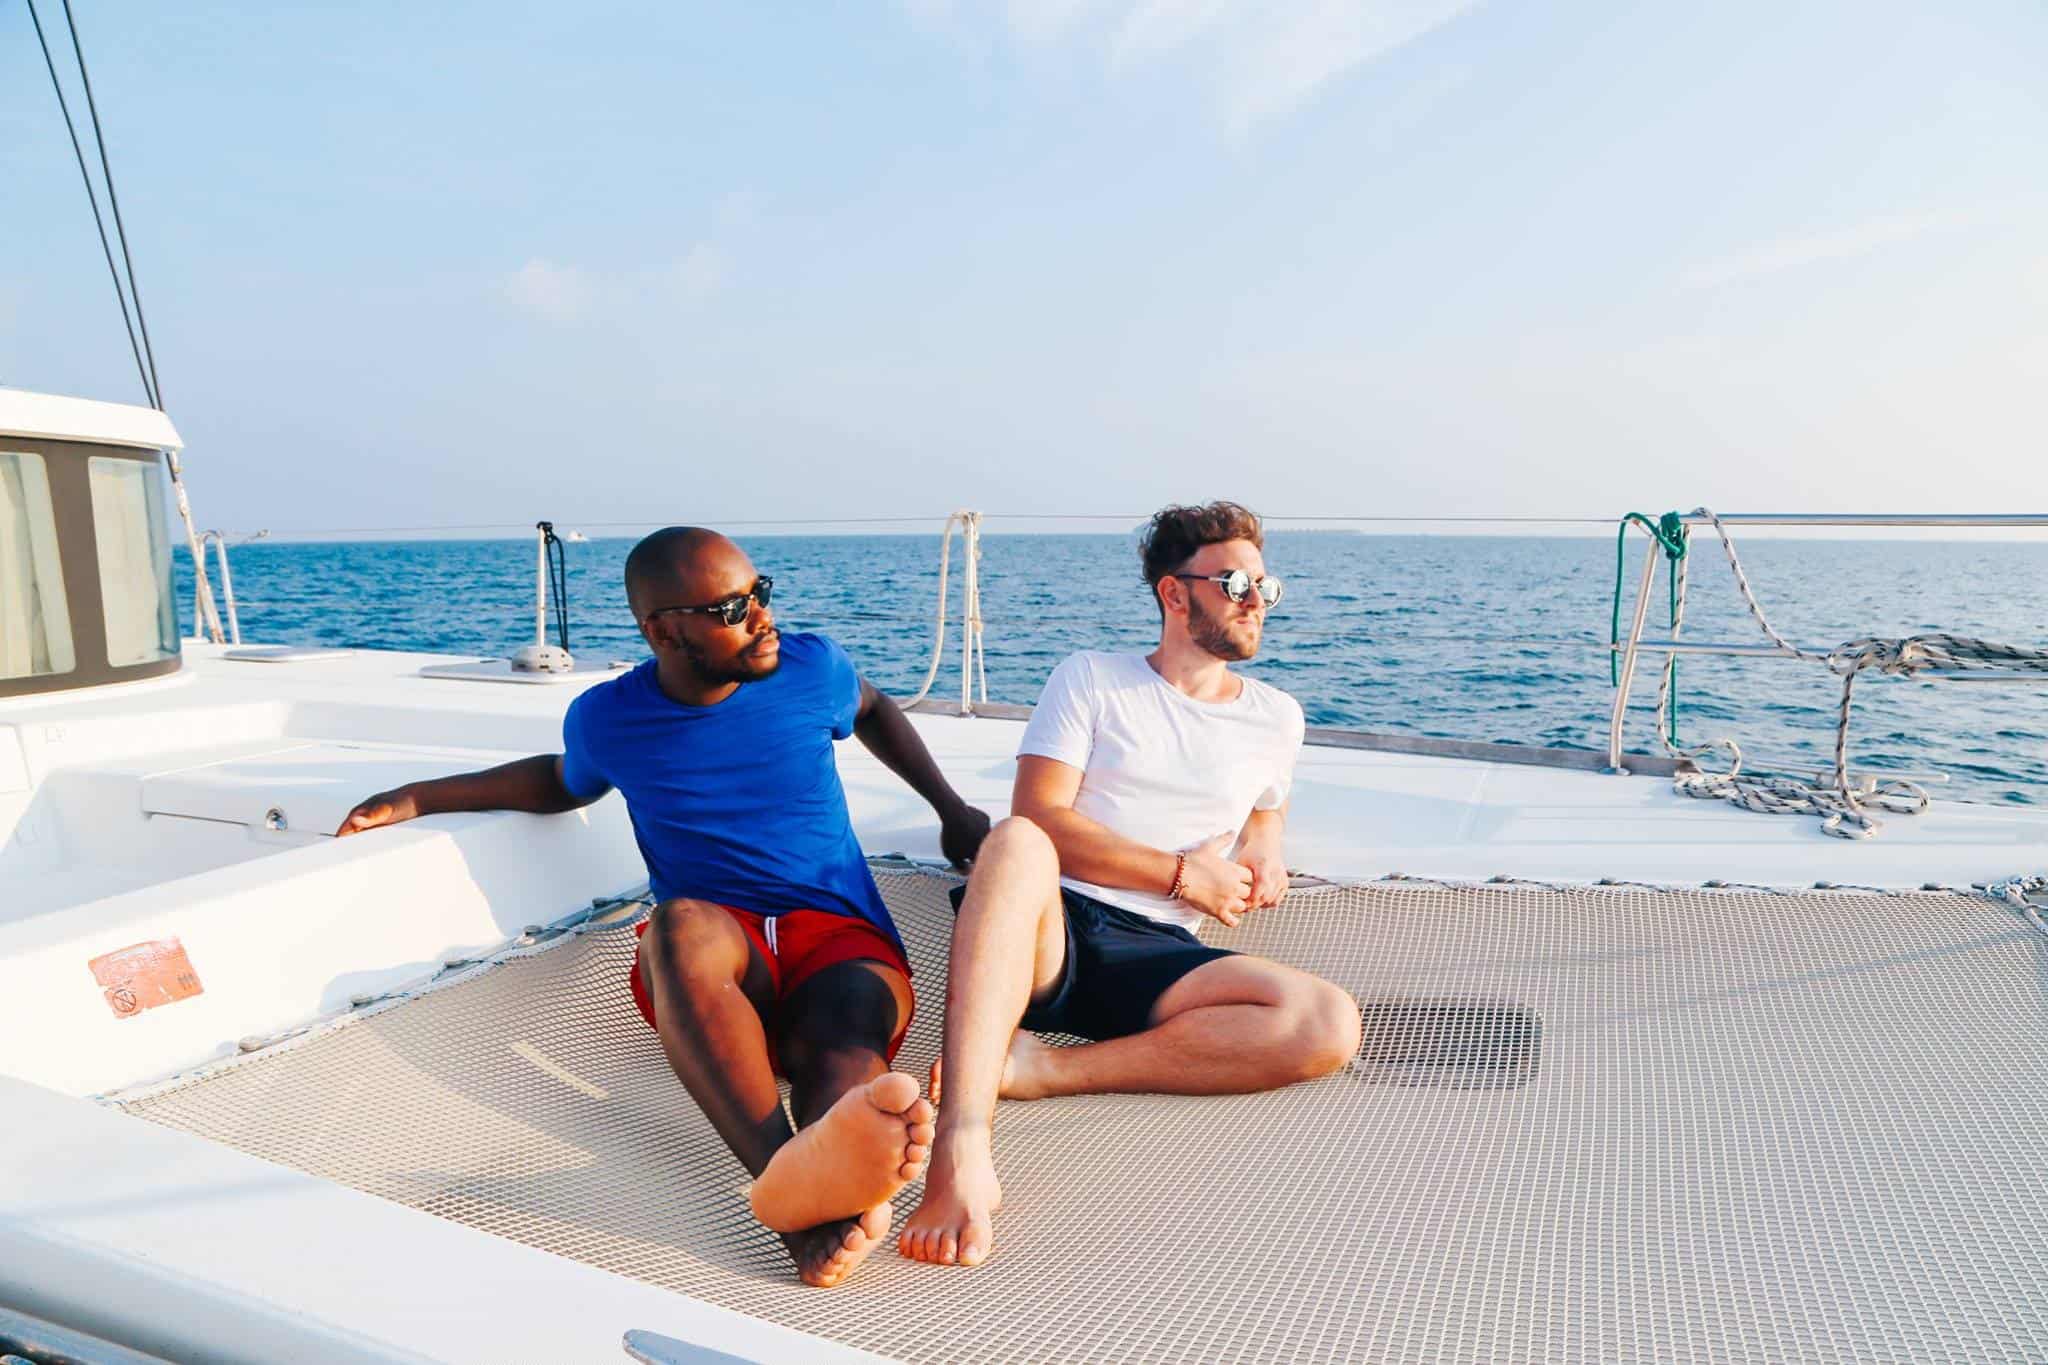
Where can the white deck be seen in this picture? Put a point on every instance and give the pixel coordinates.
(142, 813)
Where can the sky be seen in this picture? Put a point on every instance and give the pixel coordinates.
(469, 264)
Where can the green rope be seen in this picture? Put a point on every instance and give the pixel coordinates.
(1670, 533)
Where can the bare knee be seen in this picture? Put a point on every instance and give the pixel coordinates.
(1326, 1030)
(694, 937)
(1017, 871)
(1017, 844)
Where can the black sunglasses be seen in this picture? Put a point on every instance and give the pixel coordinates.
(731, 610)
(1238, 585)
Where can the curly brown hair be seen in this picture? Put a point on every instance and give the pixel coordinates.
(1173, 535)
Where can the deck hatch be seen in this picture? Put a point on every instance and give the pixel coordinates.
(1461, 1044)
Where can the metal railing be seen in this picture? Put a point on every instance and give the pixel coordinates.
(219, 541)
(1633, 646)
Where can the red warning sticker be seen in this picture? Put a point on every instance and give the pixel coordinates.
(144, 975)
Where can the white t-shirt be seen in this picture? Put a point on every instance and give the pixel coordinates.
(1158, 766)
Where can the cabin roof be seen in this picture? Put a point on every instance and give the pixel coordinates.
(55, 417)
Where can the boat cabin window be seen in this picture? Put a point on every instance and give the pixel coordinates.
(134, 542)
(35, 620)
(85, 566)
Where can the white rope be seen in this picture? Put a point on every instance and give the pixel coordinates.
(970, 606)
(208, 616)
(974, 617)
(1845, 805)
(969, 524)
(2028, 895)
(219, 541)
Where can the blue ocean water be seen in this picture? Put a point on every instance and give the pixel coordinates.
(1466, 637)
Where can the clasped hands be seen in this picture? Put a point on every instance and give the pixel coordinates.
(1224, 887)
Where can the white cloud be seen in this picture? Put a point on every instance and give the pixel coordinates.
(927, 14)
(1299, 51)
(1263, 58)
(1789, 253)
(1043, 20)
(737, 208)
(1157, 26)
(553, 293)
(570, 294)
(701, 270)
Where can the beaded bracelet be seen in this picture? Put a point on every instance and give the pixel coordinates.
(1180, 877)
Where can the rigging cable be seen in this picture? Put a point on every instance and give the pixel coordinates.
(156, 390)
(558, 578)
(208, 615)
(93, 195)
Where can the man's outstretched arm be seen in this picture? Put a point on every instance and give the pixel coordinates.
(1213, 882)
(887, 733)
(530, 784)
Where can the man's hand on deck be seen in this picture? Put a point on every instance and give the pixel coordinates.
(961, 831)
(531, 784)
(1215, 884)
(385, 808)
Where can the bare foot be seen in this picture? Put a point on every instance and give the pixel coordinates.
(869, 1145)
(1026, 1068)
(826, 1255)
(1023, 1070)
(953, 1225)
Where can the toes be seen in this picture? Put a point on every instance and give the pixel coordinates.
(915, 1243)
(937, 1068)
(949, 1249)
(923, 1133)
(896, 1093)
(919, 1114)
(975, 1243)
(916, 1155)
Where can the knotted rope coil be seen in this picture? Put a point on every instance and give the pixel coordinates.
(1845, 805)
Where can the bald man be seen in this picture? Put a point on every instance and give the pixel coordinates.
(769, 951)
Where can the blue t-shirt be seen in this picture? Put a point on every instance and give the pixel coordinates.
(738, 803)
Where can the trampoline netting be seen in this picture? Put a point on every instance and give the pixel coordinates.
(1599, 1124)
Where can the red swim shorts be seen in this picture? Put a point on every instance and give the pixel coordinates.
(797, 945)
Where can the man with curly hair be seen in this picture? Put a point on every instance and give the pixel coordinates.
(1150, 798)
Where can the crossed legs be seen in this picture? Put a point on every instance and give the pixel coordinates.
(861, 1131)
(1230, 1026)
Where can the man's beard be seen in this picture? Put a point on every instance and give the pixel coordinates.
(743, 668)
(1213, 634)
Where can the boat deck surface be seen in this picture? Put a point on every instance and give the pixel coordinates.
(1356, 812)
(1594, 1124)
(1631, 1122)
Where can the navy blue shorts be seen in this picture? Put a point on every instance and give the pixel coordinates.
(1119, 963)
